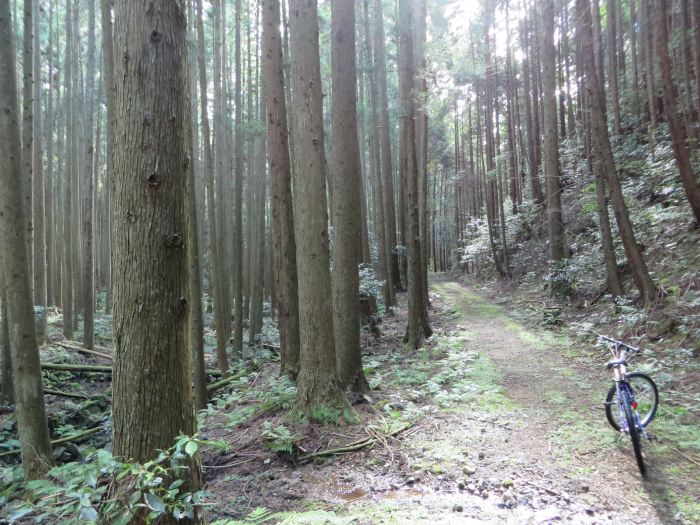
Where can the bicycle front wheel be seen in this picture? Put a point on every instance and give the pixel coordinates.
(644, 393)
(633, 430)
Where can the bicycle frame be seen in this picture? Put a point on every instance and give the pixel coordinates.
(621, 383)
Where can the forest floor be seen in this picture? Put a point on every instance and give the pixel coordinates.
(498, 419)
(502, 423)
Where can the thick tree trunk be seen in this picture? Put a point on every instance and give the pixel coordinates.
(194, 259)
(319, 387)
(152, 393)
(557, 246)
(345, 158)
(408, 169)
(16, 275)
(284, 254)
(88, 192)
(27, 125)
(68, 168)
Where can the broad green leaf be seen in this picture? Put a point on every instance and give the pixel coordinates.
(154, 502)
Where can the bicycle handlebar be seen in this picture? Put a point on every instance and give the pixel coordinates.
(606, 339)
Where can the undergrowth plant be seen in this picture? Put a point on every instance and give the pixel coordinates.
(105, 490)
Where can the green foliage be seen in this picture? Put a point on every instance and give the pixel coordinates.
(279, 439)
(102, 489)
(561, 280)
(257, 517)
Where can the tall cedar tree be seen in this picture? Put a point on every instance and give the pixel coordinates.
(284, 254)
(319, 388)
(16, 275)
(152, 381)
(408, 169)
(557, 246)
(347, 188)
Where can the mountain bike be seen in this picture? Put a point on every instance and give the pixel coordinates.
(632, 399)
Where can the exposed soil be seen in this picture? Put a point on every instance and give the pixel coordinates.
(528, 445)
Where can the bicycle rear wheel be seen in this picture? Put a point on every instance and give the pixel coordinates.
(633, 431)
(645, 394)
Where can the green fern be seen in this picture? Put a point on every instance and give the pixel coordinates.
(278, 439)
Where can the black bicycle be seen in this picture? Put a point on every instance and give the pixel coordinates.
(632, 399)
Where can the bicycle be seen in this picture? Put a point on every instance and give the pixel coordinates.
(635, 395)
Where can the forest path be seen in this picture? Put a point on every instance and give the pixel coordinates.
(517, 435)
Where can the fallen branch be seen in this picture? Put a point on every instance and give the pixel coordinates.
(550, 491)
(227, 380)
(68, 439)
(354, 446)
(101, 369)
(82, 350)
(65, 394)
(686, 456)
(61, 367)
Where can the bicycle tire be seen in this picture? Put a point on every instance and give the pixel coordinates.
(633, 432)
(611, 405)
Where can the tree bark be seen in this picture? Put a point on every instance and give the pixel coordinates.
(345, 158)
(38, 167)
(152, 393)
(557, 246)
(16, 275)
(88, 191)
(408, 169)
(319, 387)
(286, 298)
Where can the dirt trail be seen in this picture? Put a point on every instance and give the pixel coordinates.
(508, 428)
(532, 447)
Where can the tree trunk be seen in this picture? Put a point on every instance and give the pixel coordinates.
(152, 393)
(557, 246)
(108, 72)
(676, 125)
(27, 125)
(88, 192)
(345, 158)
(38, 168)
(535, 185)
(286, 298)
(16, 275)
(602, 154)
(7, 394)
(194, 260)
(69, 163)
(611, 27)
(238, 198)
(385, 145)
(214, 255)
(383, 246)
(408, 170)
(319, 388)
